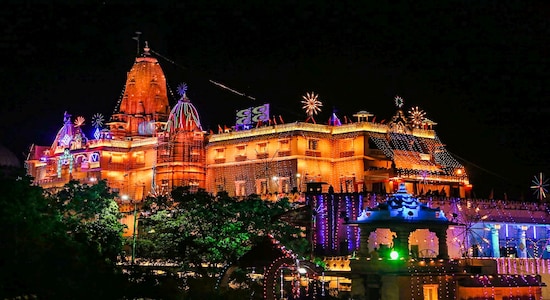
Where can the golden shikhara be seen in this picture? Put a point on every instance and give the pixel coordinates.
(144, 105)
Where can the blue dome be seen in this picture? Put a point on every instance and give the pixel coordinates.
(8, 159)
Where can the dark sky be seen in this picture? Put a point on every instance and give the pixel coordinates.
(479, 69)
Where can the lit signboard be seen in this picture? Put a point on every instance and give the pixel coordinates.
(251, 116)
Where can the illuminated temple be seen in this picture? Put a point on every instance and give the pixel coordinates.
(344, 171)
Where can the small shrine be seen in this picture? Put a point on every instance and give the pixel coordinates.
(402, 214)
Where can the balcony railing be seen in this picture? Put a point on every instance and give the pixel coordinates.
(240, 158)
(283, 153)
(347, 154)
(262, 155)
(313, 153)
(523, 266)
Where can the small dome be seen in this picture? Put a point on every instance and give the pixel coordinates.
(8, 159)
(184, 115)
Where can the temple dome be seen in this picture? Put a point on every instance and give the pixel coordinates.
(8, 158)
(184, 115)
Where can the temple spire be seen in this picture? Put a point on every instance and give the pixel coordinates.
(146, 49)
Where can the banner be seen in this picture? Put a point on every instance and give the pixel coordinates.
(251, 116)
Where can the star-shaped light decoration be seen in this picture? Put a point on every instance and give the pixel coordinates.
(97, 120)
(416, 116)
(539, 186)
(312, 105)
(182, 89)
(398, 101)
(469, 237)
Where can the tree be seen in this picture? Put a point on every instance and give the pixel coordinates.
(206, 233)
(91, 217)
(28, 236)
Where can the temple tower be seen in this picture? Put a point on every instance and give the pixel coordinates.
(144, 107)
(181, 147)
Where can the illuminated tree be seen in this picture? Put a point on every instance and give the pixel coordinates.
(91, 216)
(205, 233)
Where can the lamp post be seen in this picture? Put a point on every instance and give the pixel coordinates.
(126, 198)
(134, 234)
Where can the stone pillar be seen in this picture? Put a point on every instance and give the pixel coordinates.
(522, 246)
(495, 239)
(442, 243)
(364, 242)
(401, 242)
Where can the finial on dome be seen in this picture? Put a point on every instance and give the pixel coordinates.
(146, 49)
(182, 88)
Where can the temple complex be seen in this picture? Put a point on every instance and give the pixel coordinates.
(389, 186)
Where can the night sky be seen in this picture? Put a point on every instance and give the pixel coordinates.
(479, 70)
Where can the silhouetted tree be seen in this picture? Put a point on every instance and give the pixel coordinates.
(56, 247)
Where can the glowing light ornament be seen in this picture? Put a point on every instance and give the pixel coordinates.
(416, 116)
(398, 101)
(79, 121)
(321, 221)
(97, 122)
(65, 159)
(312, 105)
(471, 236)
(539, 186)
(66, 140)
(182, 89)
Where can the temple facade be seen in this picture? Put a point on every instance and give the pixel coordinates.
(354, 157)
(148, 147)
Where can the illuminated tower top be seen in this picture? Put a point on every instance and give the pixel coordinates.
(184, 116)
(144, 106)
(70, 135)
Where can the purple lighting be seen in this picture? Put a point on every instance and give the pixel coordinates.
(321, 222)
